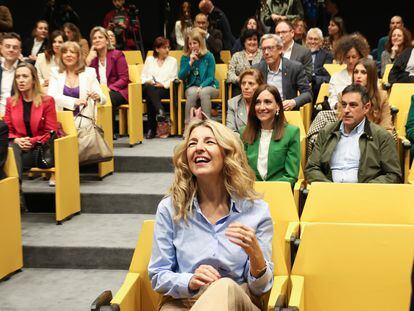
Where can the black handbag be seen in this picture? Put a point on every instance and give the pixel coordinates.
(44, 153)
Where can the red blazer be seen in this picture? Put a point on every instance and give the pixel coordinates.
(42, 119)
(116, 71)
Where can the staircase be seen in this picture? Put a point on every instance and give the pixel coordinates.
(67, 266)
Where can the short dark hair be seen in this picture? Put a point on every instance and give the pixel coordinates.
(11, 35)
(248, 33)
(158, 43)
(357, 88)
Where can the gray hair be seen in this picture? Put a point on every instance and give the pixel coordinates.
(315, 31)
(278, 40)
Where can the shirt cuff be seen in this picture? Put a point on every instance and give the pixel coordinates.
(183, 281)
(262, 284)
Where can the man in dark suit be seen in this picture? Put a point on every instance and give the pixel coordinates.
(292, 50)
(288, 76)
(4, 143)
(314, 42)
(214, 37)
(218, 20)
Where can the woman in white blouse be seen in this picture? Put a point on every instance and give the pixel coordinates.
(74, 86)
(48, 60)
(158, 72)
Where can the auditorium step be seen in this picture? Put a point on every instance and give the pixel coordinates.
(87, 241)
(120, 193)
(57, 289)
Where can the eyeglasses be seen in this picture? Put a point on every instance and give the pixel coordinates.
(269, 48)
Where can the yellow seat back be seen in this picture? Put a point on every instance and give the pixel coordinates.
(323, 91)
(134, 72)
(68, 125)
(400, 97)
(387, 70)
(133, 57)
(359, 203)
(355, 267)
(173, 53)
(295, 118)
(225, 56)
(10, 168)
(334, 68)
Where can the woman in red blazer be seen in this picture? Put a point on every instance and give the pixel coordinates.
(30, 115)
(111, 67)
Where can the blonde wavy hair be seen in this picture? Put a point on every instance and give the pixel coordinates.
(238, 176)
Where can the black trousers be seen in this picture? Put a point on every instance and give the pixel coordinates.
(117, 100)
(4, 144)
(153, 96)
(24, 159)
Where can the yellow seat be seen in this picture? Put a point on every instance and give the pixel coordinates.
(334, 68)
(225, 56)
(323, 91)
(410, 178)
(221, 76)
(133, 57)
(173, 53)
(346, 267)
(306, 114)
(136, 293)
(11, 254)
(67, 189)
(400, 98)
(387, 70)
(104, 120)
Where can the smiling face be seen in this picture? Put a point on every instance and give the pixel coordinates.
(99, 41)
(251, 44)
(70, 58)
(10, 49)
(313, 42)
(42, 30)
(360, 75)
(397, 37)
(204, 155)
(251, 24)
(57, 43)
(266, 109)
(24, 79)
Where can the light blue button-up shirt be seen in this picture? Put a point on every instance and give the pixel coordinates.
(275, 78)
(179, 248)
(345, 158)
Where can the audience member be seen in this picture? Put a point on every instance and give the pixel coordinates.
(49, 59)
(111, 69)
(238, 106)
(72, 33)
(336, 30)
(353, 149)
(118, 20)
(271, 144)
(183, 24)
(4, 144)
(251, 23)
(112, 38)
(6, 19)
(300, 29)
(403, 69)
(212, 202)
(10, 49)
(37, 43)
(292, 50)
(320, 56)
(158, 73)
(349, 50)
(288, 76)
(281, 10)
(396, 21)
(218, 20)
(245, 59)
(30, 116)
(399, 39)
(59, 12)
(197, 70)
(212, 36)
(74, 86)
(409, 129)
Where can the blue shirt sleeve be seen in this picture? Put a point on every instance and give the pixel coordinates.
(163, 261)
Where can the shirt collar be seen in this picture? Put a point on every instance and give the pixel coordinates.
(278, 69)
(12, 68)
(359, 129)
(235, 205)
(290, 47)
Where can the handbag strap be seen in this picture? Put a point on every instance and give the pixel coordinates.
(79, 114)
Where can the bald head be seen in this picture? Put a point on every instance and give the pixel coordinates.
(206, 6)
(396, 21)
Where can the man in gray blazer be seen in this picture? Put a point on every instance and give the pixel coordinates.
(292, 50)
(288, 76)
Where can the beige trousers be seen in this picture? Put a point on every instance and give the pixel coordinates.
(222, 295)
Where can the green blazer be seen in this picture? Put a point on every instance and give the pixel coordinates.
(283, 159)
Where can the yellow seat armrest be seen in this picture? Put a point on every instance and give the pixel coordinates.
(278, 294)
(297, 294)
(128, 296)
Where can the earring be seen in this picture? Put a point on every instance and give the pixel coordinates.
(277, 112)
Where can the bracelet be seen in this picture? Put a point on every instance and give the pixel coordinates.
(261, 272)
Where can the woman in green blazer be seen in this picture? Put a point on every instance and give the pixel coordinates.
(271, 144)
(197, 69)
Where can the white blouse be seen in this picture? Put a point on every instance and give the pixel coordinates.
(164, 74)
(265, 137)
(102, 72)
(338, 82)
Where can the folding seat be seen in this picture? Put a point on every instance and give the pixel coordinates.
(334, 68)
(353, 267)
(11, 254)
(133, 57)
(225, 56)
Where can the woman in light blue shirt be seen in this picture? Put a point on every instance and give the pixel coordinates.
(212, 234)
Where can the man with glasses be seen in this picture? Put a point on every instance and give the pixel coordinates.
(292, 50)
(11, 44)
(288, 76)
